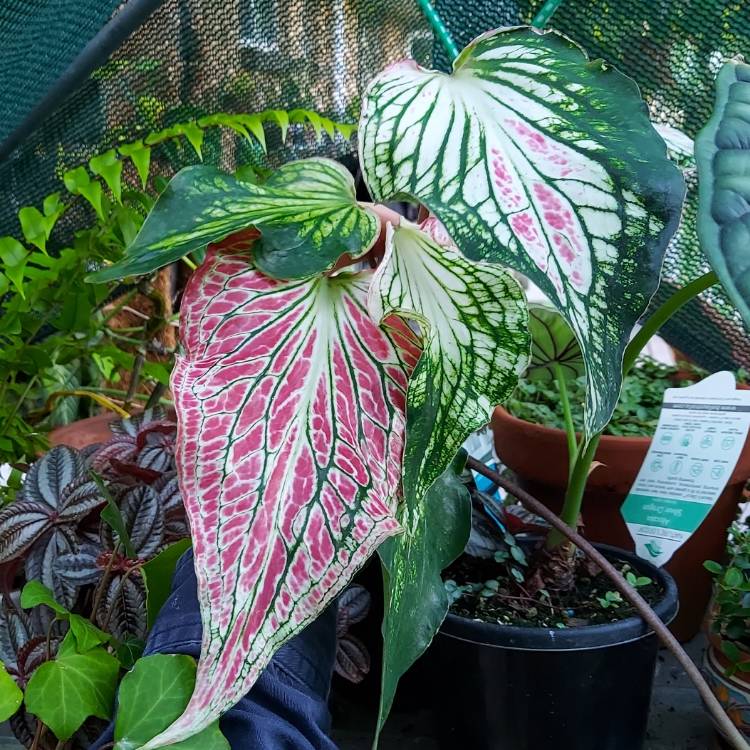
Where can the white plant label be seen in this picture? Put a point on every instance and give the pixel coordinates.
(698, 441)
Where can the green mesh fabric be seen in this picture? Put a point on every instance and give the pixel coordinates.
(194, 57)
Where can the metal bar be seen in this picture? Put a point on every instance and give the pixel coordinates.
(99, 49)
(440, 29)
(545, 13)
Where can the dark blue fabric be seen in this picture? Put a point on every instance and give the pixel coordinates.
(287, 707)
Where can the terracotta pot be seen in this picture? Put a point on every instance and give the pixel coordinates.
(732, 692)
(539, 457)
(84, 432)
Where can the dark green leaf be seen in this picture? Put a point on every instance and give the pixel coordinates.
(722, 151)
(157, 574)
(415, 598)
(307, 215)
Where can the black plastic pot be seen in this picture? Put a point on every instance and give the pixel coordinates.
(516, 688)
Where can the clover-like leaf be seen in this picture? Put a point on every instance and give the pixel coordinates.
(307, 216)
(722, 151)
(536, 158)
(152, 695)
(554, 347)
(474, 322)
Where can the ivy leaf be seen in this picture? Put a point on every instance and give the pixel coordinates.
(416, 601)
(87, 636)
(157, 575)
(307, 215)
(63, 693)
(535, 158)
(10, 694)
(722, 151)
(473, 318)
(37, 226)
(553, 345)
(109, 167)
(152, 695)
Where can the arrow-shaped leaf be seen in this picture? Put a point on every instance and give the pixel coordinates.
(722, 151)
(476, 343)
(307, 215)
(536, 158)
(553, 346)
(290, 402)
(415, 600)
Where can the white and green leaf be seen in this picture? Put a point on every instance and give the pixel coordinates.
(722, 151)
(307, 215)
(474, 326)
(536, 158)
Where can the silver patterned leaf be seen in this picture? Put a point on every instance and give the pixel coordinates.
(124, 613)
(41, 563)
(48, 477)
(79, 498)
(144, 520)
(80, 568)
(21, 525)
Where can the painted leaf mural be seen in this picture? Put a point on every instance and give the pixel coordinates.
(474, 323)
(290, 402)
(536, 158)
(306, 213)
(416, 602)
(722, 151)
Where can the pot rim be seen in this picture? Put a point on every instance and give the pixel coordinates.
(501, 413)
(586, 638)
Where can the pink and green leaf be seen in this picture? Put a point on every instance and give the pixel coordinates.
(307, 215)
(291, 411)
(474, 326)
(536, 158)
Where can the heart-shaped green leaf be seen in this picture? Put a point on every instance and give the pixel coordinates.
(536, 158)
(416, 603)
(307, 215)
(63, 693)
(722, 151)
(553, 346)
(152, 695)
(10, 694)
(474, 324)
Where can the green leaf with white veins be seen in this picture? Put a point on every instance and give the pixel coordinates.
(474, 325)
(535, 158)
(306, 213)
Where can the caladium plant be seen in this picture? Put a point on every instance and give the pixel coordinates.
(319, 406)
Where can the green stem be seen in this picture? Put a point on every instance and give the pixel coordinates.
(545, 13)
(570, 430)
(662, 314)
(582, 467)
